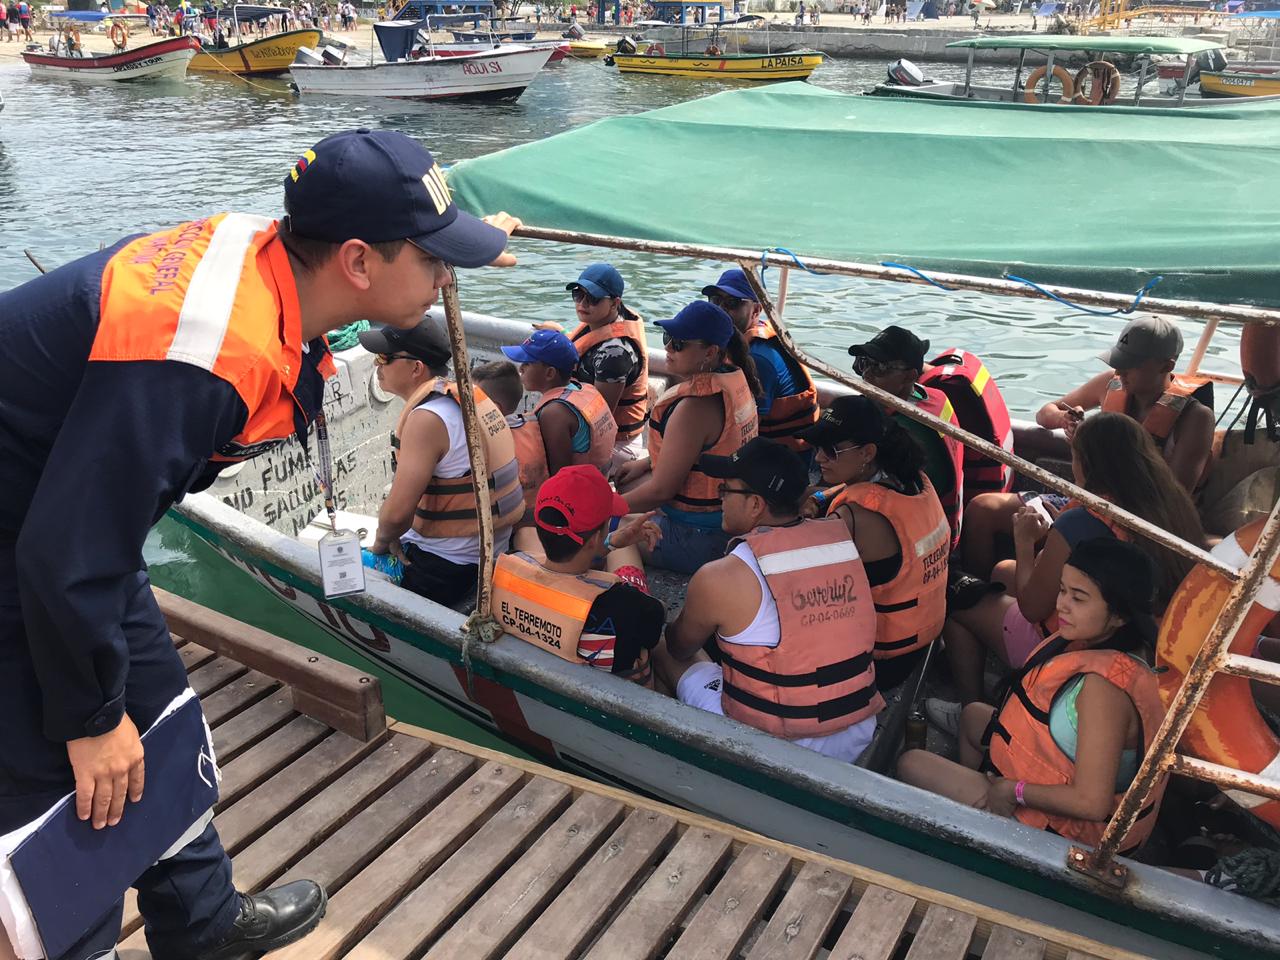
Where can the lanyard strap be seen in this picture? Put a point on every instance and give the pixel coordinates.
(324, 470)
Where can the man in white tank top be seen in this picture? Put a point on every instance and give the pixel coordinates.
(433, 444)
(729, 600)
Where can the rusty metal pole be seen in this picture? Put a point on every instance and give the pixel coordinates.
(1103, 508)
(1212, 656)
(479, 465)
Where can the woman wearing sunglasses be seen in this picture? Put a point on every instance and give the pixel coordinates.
(897, 523)
(711, 410)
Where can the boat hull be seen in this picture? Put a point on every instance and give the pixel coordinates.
(163, 60)
(502, 74)
(268, 56)
(781, 66)
(1234, 83)
(588, 49)
(558, 49)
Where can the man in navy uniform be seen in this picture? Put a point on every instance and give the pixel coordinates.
(129, 378)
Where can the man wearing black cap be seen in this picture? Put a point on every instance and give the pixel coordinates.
(789, 602)
(893, 360)
(129, 378)
(788, 400)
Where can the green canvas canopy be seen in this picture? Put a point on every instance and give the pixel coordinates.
(1100, 198)
(1173, 45)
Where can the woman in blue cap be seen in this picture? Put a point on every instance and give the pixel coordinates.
(711, 410)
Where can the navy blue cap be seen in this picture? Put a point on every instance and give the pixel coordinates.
(600, 280)
(378, 186)
(700, 320)
(546, 346)
(734, 283)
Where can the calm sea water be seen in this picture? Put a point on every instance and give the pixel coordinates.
(82, 166)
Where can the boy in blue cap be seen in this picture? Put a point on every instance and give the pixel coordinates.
(573, 420)
(610, 341)
(788, 400)
(150, 366)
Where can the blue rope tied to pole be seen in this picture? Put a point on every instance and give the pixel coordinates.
(764, 263)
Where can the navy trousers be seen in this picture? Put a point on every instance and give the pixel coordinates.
(188, 900)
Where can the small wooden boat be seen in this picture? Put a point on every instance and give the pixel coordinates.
(588, 49)
(1260, 81)
(163, 60)
(701, 51)
(266, 56)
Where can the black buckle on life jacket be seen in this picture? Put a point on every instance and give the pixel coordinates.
(822, 712)
(822, 677)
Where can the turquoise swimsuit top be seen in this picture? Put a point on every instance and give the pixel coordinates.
(582, 436)
(1064, 724)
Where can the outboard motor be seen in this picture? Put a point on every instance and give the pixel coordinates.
(626, 45)
(575, 32)
(1211, 61)
(905, 74)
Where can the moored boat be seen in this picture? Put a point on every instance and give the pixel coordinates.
(258, 57)
(163, 60)
(702, 52)
(588, 49)
(559, 48)
(1260, 81)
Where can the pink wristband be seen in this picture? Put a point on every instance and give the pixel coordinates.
(1017, 793)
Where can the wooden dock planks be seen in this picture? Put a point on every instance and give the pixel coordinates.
(430, 848)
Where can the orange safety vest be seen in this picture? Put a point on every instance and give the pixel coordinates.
(218, 294)
(448, 505)
(820, 678)
(1022, 748)
(531, 454)
(790, 414)
(937, 403)
(910, 608)
(977, 401)
(701, 493)
(586, 399)
(1162, 416)
(550, 611)
(633, 407)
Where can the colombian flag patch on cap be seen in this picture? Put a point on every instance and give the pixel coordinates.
(300, 167)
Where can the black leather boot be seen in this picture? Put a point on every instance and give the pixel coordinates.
(270, 920)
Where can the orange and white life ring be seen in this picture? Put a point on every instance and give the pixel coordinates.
(119, 34)
(1029, 94)
(655, 50)
(1226, 728)
(1103, 82)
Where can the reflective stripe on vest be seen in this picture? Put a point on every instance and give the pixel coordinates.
(218, 294)
(820, 678)
(1022, 748)
(447, 507)
(632, 411)
(790, 414)
(550, 611)
(591, 406)
(937, 403)
(910, 608)
(701, 493)
(981, 410)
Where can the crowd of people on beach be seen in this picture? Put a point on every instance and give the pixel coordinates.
(206, 20)
(15, 20)
(838, 543)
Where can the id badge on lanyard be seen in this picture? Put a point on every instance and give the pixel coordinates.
(341, 567)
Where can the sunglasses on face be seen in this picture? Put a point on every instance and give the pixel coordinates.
(863, 366)
(724, 301)
(382, 359)
(581, 296)
(725, 490)
(833, 452)
(675, 346)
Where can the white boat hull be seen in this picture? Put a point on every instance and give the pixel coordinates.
(171, 65)
(500, 74)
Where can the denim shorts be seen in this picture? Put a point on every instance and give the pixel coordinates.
(684, 548)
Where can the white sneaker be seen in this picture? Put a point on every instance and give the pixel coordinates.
(944, 714)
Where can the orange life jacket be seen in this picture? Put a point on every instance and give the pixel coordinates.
(448, 505)
(937, 403)
(1022, 748)
(632, 411)
(1162, 416)
(218, 294)
(977, 401)
(701, 493)
(550, 611)
(820, 678)
(910, 608)
(790, 414)
(586, 399)
(531, 454)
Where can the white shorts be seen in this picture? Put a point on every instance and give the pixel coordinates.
(700, 686)
(632, 449)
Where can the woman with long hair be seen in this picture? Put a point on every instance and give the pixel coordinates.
(896, 521)
(1113, 457)
(712, 410)
(1072, 726)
